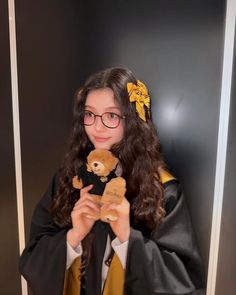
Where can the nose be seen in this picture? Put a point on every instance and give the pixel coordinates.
(95, 164)
(98, 124)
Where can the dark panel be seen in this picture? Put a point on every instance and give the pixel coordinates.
(187, 86)
(225, 283)
(175, 46)
(48, 59)
(10, 278)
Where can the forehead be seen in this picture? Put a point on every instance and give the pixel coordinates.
(102, 98)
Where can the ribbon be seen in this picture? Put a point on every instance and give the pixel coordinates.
(139, 94)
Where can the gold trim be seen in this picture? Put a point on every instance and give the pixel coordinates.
(72, 278)
(165, 176)
(115, 278)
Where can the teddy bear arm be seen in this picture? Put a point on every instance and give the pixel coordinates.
(77, 183)
(114, 193)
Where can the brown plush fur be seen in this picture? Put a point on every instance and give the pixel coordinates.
(105, 160)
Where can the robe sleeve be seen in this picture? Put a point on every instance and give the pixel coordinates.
(43, 261)
(168, 262)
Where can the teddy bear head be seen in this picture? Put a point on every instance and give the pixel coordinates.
(101, 162)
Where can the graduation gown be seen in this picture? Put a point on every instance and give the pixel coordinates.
(165, 263)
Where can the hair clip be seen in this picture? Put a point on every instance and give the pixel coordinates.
(139, 94)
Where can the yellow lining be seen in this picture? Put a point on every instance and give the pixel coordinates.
(72, 279)
(165, 176)
(115, 278)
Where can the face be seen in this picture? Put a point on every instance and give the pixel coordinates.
(99, 102)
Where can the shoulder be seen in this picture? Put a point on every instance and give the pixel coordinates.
(50, 191)
(53, 184)
(172, 190)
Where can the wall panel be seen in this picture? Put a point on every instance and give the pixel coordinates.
(48, 55)
(227, 256)
(9, 250)
(176, 47)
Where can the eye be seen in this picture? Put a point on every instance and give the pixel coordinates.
(88, 114)
(113, 116)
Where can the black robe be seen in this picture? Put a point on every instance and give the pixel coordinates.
(166, 263)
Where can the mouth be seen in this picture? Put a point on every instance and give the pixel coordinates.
(101, 139)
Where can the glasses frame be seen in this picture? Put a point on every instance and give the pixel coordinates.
(100, 116)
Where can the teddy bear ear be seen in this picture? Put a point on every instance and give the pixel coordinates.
(89, 168)
(115, 161)
(112, 163)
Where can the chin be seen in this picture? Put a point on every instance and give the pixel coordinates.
(102, 146)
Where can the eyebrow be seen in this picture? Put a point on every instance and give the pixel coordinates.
(108, 108)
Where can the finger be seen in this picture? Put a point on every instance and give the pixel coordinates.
(125, 202)
(87, 202)
(121, 210)
(83, 210)
(93, 217)
(112, 207)
(86, 189)
(85, 197)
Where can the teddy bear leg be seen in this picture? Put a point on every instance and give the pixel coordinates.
(108, 215)
(113, 193)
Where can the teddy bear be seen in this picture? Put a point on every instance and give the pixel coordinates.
(100, 170)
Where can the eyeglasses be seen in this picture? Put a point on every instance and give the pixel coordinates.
(110, 120)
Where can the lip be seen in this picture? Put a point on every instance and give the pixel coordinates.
(101, 139)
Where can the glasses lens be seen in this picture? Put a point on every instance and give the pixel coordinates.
(88, 118)
(111, 120)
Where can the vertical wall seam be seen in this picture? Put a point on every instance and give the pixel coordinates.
(222, 144)
(16, 133)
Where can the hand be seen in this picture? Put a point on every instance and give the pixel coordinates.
(120, 227)
(81, 225)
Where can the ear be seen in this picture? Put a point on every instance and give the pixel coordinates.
(114, 161)
(106, 171)
(111, 164)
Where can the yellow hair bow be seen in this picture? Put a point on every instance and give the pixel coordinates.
(139, 94)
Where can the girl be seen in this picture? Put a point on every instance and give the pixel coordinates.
(150, 248)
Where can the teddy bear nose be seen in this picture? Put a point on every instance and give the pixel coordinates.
(95, 164)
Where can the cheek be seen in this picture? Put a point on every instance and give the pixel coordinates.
(120, 132)
(101, 166)
(87, 130)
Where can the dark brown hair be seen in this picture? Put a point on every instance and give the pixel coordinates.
(138, 152)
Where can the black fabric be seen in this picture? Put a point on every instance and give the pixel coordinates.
(168, 262)
(93, 278)
(43, 261)
(89, 177)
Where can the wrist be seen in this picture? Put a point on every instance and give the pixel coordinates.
(74, 238)
(124, 237)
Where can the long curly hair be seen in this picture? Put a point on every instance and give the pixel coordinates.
(138, 152)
